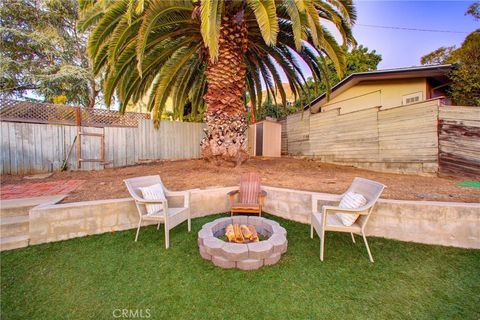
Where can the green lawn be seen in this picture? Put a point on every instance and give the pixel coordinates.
(91, 277)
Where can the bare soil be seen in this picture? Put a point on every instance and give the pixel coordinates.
(302, 174)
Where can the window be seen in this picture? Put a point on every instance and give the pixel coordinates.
(412, 98)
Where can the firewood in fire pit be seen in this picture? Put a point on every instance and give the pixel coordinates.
(247, 234)
(238, 233)
(254, 236)
(230, 233)
(241, 233)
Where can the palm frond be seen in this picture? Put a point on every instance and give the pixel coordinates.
(265, 13)
(211, 19)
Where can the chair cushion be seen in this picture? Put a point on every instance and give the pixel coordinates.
(154, 192)
(350, 200)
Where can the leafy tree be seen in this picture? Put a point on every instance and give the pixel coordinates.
(440, 56)
(42, 52)
(465, 88)
(474, 10)
(270, 109)
(209, 53)
(358, 59)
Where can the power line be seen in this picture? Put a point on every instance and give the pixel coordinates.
(409, 29)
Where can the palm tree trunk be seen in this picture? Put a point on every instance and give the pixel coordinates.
(226, 112)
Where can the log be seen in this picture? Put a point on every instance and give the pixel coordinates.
(247, 234)
(254, 236)
(230, 233)
(238, 234)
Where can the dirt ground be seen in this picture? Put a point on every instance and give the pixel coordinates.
(293, 173)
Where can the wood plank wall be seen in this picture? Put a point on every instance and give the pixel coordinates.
(409, 133)
(298, 130)
(34, 148)
(284, 150)
(401, 139)
(459, 141)
(347, 137)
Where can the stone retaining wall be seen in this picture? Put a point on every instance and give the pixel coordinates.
(440, 223)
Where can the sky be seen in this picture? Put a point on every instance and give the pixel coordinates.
(404, 48)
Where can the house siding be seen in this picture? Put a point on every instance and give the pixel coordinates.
(368, 94)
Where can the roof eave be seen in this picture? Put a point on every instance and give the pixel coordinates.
(378, 74)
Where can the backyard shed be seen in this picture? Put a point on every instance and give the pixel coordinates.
(265, 139)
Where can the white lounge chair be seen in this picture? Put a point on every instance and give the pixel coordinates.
(327, 220)
(173, 216)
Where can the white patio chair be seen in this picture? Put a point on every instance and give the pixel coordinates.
(173, 216)
(327, 220)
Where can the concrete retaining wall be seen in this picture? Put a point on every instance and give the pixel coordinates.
(440, 223)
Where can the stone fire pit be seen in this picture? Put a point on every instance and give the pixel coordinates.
(243, 256)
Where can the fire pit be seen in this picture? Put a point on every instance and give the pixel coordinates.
(260, 242)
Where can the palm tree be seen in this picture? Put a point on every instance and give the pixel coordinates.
(210, 54)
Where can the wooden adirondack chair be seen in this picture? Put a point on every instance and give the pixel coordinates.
(250, 196)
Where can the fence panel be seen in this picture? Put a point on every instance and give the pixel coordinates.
(33, 148)
(345, 137)
(298, 130)
(35, 112)
(409, 133)
(459, 141)
(402, 139)
(172, 140)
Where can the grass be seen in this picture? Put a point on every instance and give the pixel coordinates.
(468, 183)
(91, 277)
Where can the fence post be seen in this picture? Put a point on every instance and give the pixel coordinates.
(78, 121)
(78, 116)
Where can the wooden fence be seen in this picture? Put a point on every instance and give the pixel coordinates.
(35, 112)
(298, 130)
(459, 141)
(403, 139)
(32, 148)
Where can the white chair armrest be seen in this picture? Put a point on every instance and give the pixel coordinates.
(155, 201)
(359, 210)
(316, 197)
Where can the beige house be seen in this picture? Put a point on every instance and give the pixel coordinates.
(385, 88)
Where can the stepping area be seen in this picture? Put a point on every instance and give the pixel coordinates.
(38, 189)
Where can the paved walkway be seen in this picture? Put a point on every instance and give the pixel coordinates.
(38, 189)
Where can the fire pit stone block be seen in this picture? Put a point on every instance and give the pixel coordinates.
(279, 243)
(220, 224)
(202, 235)
(267, 226)
(280, 230)
(240, 219)
(235, 251)
(260, 250)
(271, 223)
(249, 264)
(213, 246)
(255, 220)
(209, 226)
(274, 258)
(223, 263)
(204, 253)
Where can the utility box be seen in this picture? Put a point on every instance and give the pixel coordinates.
(265, 139)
